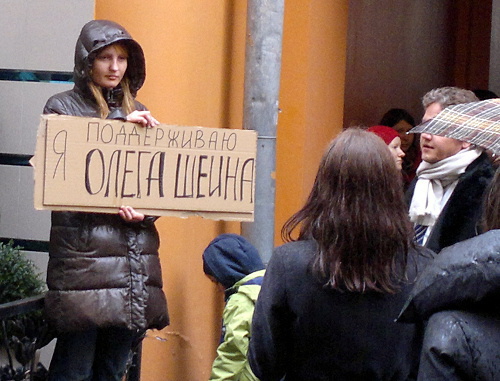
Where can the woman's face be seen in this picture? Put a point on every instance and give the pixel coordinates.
(396, 151)
(402, 127)
(109, 66)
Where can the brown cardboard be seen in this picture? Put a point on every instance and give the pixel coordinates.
(96, 165)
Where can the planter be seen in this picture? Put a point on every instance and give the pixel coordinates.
(23, 333)
(22, 327)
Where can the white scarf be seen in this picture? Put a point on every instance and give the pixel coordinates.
(435, 184)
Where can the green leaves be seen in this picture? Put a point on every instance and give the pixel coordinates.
(22, 334)
(18, 275)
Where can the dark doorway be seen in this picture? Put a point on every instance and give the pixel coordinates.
(400, 49)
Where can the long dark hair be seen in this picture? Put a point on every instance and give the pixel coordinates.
(357, 215)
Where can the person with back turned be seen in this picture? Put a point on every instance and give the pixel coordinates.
(330, 296)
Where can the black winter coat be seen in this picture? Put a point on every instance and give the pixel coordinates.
(102, 270)
(303, 331)
(459, 295)
(460, 218)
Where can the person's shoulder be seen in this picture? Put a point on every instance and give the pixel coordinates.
(476, 178)
(422, 254)
(296, 253)
(475, 249)
(465, 275)
(57, 103)
(139, 106)
(482, 166)
(63, 95)
(419, 257)
(296, 247)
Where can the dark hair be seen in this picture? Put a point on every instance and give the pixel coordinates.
(491, 207)
(357, 215)
(484, 94)
(395, 115)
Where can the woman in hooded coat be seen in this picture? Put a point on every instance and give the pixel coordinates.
(104, 275)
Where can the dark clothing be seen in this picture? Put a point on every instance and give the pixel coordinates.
(459, 294)
(461, 346)
(79, 101)
(460, 218)
(102, 271)
(304, 331)
(465, 274)
(229, 258)
(411, 161)
(235, 263)
(94, 354)
(74, 102)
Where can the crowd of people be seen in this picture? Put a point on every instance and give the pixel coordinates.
(365, 249)
(388, 211)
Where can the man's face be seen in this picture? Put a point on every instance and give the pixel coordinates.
(436, 148)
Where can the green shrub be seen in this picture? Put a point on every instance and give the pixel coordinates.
(18, 275)
(21, 335)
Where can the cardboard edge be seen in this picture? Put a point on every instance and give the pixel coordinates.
(217, 216)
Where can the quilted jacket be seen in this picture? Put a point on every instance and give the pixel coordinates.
(102, 270)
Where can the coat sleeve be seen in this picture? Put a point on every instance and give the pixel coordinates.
(461, 345)
(445, 354)
(55, 106)
(231, 360)
(271, 324)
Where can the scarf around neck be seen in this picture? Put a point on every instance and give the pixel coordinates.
(435, 183)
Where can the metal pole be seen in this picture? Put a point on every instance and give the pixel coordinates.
(262, 79)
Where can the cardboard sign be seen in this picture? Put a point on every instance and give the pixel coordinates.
(97, 165)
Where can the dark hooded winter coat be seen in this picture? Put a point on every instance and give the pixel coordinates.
(459, 295)
(79, 101)
(102, 271)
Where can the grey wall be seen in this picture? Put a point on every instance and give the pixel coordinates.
(35, 35)
(397, 50)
